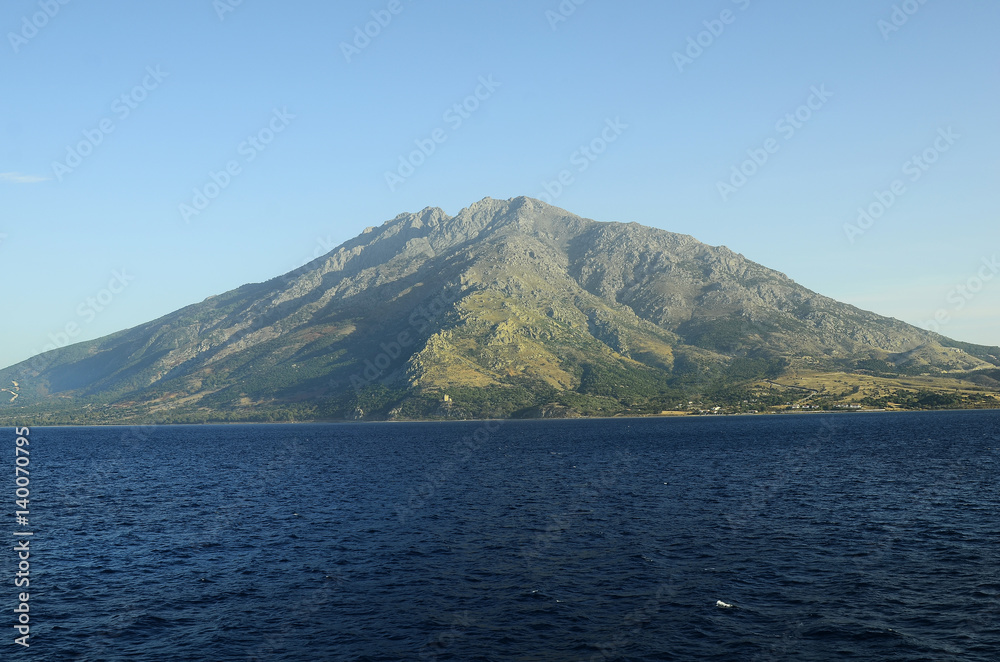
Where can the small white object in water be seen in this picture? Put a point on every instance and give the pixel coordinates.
(723, 605)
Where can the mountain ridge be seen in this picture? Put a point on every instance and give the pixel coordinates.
(530, 307)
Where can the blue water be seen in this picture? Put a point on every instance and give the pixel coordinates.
(853, 536)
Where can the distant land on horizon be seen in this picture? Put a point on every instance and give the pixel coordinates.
(510, 308)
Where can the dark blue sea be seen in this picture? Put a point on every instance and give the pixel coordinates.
(848, 536)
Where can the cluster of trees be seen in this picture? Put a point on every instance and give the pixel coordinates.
(880, 368)
(931, 400)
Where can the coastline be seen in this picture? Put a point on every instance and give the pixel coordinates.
(507, 420)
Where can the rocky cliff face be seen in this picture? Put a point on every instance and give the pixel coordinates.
(509, 306)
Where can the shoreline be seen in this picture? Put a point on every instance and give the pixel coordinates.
(505, 420)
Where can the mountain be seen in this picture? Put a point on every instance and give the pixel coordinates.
(509, 308)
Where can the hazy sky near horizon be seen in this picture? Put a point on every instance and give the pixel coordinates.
(153, 154)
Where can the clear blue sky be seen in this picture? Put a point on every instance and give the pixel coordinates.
(220, 76)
